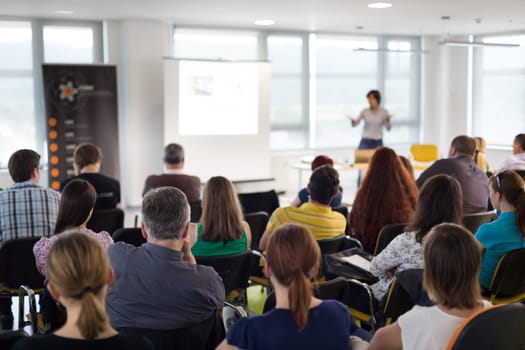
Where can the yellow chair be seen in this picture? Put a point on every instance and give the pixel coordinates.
(424, 155)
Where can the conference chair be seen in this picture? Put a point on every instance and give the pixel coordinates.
(206, 335)
(344, 211)
(18, 268)
(423, 155)
(108, 220)
(508, 282)
(9, 338)
(195, 211)
(362, 304)
(257, 222)
(497, 327)
(334, 245)
(473, 221)
(259, 201)
(386, 235)
(231, 313)
(129, 235)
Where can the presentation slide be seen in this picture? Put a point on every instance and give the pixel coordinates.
(218, 98)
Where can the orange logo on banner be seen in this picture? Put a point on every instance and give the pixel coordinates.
(53, 147)
(53, 160)
(55, 172)
(52, 122)
(53, 134)
(55, 185)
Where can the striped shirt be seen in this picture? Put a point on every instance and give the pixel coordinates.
(321, 221)
(27, 210)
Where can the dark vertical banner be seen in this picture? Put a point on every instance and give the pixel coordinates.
(81, 106)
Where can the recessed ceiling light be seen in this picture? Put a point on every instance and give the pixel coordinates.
(264, 22)
(64, 12)
(380, 5)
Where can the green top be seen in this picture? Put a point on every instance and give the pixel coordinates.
(207, 248)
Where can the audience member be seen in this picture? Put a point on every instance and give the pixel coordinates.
(408, 166)
(299, 320)
(516, 161)
(158, 285)
(304, 196)
(174, 175)
(452, 259)
(26, 210)
(460, 164)
(222, 229)
(440, 201)
(82, 289)
(480, 157)
(508, 231)
(316, 215)
(87, 159)
(76, 206)
(387, 196)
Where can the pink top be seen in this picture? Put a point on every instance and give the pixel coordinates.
(42, 247)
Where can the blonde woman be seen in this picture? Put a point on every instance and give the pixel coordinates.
(222, 230)
(82, 289)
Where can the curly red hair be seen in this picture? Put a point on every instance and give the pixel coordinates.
(387, 195)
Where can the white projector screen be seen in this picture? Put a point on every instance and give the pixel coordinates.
(219, 112)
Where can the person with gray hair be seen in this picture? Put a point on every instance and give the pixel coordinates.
(174, 174)
(158, 285)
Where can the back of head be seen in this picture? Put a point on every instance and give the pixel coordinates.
(78, 268)
(324, 184)
(481, 145)
(76, 203)
(87, 154)
(520, 141)
(173, 154)
(408, 166)
(479, 156)
(440, 200)
(221, 211)
(510, 185)
(464, 145)
(22, 163)
(293, 256)
(320, 161)
(452, 260)
(165, 213)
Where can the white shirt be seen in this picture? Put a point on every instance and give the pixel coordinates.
(428, 327)
(374, 122)
(513, 162)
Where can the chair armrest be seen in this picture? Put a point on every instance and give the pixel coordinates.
(32, 308)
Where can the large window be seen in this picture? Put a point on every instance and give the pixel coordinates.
(69, 44)
(498, 90)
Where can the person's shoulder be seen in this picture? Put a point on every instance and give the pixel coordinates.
(67, 180)
(120, 249)
(36, 343)
(333, 306)
(132, 342)
(416, 314)
(106, 178)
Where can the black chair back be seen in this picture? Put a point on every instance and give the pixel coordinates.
(259, 201)
(337, 244)
(129, 235)
(195, 211)
(257, 222)
(343, 210)
(108, 220)
(387, 234)
(203, 336)
(494, 328)
(233, 269)
(9, 338)
(473, 221)
(509, 276)
(17, 265)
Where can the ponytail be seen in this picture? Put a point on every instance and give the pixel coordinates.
(92, 319)
(299, 298)
(520, 212)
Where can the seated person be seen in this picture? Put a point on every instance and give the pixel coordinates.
(316, 215)
(452, 259)
(221, 230)
(299, 321)
(87, 159)
(388, 195)
(158, 285)
(460, 164)
(408, 166)
(81, 288)
(480, 158)
(439, 201)
(76, 206)
(303, 196)
(516, 161)
(174, 175)
(507, 232)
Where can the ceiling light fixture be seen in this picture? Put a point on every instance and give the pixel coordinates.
(264, 22)
(459, 43)
(380, 5)
(64, 12)
(391, 51)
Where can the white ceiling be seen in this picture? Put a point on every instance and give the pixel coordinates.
(405, 17)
